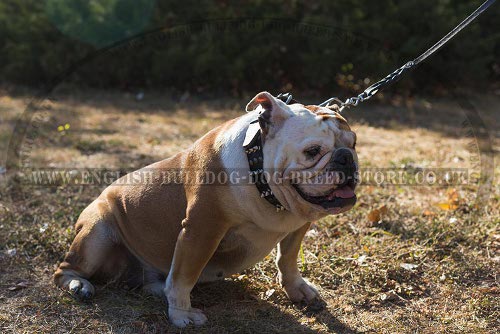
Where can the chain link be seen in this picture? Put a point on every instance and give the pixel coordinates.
(370, 91)
(373, 89)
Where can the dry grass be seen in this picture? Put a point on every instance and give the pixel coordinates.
(360, 266)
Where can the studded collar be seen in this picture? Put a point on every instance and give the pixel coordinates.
(255, 156)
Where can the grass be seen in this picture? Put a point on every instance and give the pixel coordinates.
(427, 261)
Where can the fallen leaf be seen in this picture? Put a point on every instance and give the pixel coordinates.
(269, 293)
(44, 228)
(408, 266)
(453, 195)
(428, 213)
(390, 295)
(11, 252)
(376, 214)
(22, 284)
(335, 234)
(311, 233)
(373, 216)
(447, 206)
(361, 259)
(19, 286)
(453, 202)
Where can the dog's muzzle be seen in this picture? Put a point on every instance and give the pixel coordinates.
(342, 163)
(343, 170)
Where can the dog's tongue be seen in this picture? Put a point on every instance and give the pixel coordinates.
(343, 192)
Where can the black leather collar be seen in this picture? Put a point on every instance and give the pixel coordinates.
(253, 149)
(255, 156)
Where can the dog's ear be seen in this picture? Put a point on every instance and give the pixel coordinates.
(272, 111)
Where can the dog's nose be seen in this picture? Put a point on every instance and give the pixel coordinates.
(343, 157)
(342, 161)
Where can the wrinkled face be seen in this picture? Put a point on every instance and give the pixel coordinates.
(313, 148)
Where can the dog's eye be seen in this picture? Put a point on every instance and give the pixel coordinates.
(313, 151)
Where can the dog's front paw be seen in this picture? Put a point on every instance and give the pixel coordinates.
(181, 318)
(301, 291)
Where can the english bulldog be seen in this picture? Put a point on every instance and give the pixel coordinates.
(167, 233)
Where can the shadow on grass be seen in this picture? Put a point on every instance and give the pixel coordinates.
(442, 115)
(229, 305)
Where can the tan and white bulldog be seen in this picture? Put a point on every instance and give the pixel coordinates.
(190, 232)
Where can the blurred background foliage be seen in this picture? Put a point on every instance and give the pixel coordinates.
(315, 47)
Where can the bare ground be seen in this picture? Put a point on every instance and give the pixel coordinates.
(406, 259)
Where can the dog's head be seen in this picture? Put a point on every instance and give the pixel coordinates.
(313, 149)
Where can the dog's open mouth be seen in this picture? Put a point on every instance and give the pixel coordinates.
(338, 200)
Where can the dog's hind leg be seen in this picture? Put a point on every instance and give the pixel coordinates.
(154, 282)
(90, 250)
